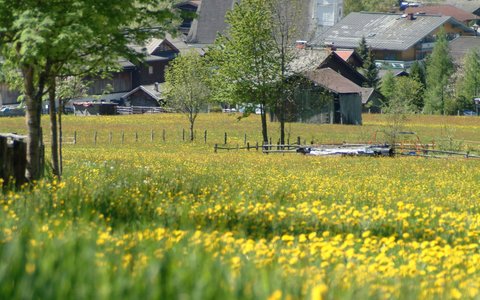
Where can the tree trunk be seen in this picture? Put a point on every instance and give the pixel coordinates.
(191, 130)
(282, 120)
(60, 137)
(53, 128)
(264, 124)
(34, 168)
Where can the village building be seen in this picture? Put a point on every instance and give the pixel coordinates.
(444, 10)
(188, 11)
(315, 16)
(460, 47)
(396, 40)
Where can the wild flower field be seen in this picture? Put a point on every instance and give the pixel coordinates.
(173, 220)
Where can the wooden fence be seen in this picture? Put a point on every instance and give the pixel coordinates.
(133, 110)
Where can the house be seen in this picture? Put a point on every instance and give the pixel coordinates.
(210, 21)
(444, 10)
(459, 47)
(310, 59)
(137, 84)
(188, 11)
(351, 57)
(327, 97)
(394, 38)
(472, 6)
(314, 16)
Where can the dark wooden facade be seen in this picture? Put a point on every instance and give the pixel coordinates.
(336, 63)
(8, 96)
(119, 82)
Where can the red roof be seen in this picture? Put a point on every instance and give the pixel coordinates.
(344, 54)
(443, 10)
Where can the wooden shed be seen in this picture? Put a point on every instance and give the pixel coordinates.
(327, 97)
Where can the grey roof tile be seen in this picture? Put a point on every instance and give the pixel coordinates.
(382, 31)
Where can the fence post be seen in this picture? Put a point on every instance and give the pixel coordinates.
(256, 146)
(248, 146)
(164, 135)
(225, 140)
(183, 134)
(245, 139)
(75, 137)
(299, 142)
(110, 135)
(216, 148)
(136, 136)
(205, 136)
(151, 135)
(123, 137)
(95, 138)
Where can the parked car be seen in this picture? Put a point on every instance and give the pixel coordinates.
(7, 111)
(469, 113)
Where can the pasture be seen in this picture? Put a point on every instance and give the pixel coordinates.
(168, 219)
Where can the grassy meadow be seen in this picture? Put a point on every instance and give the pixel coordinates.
(169, 219)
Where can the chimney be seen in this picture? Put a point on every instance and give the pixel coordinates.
(330, 46)
(410, 17)
(156, 87)
(301, 44)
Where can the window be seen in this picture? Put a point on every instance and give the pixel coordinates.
(150, 70)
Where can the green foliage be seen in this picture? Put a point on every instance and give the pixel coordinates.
(402, 94)
(248, 65)
(42, 40)
(439, 69)
(387, 86)
(362, 49)
(369, 5)
(187, 85)
(246, 56)
(468, 85)
(370, 70)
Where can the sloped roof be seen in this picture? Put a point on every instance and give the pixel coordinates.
(459, 47)
(333, 81)
(467, 5)
(210, 21)
(444, 10)
(383, 31)
(308, 59)
(147, 89)
(336, 83)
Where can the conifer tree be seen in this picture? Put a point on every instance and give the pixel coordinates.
(468, 85)
(387, 87)
(370, 70)
(439, 70)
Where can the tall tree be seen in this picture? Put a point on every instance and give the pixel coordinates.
(387, 87)
(187, 86)
(370, 70)
(247, 60)
(286, 15)
(40, 40)
(439, 70)
(362, 48)
(400, 105)
(468, 85)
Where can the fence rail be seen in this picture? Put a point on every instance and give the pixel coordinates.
(134, 110)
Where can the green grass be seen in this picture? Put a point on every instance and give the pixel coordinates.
(173, 220)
